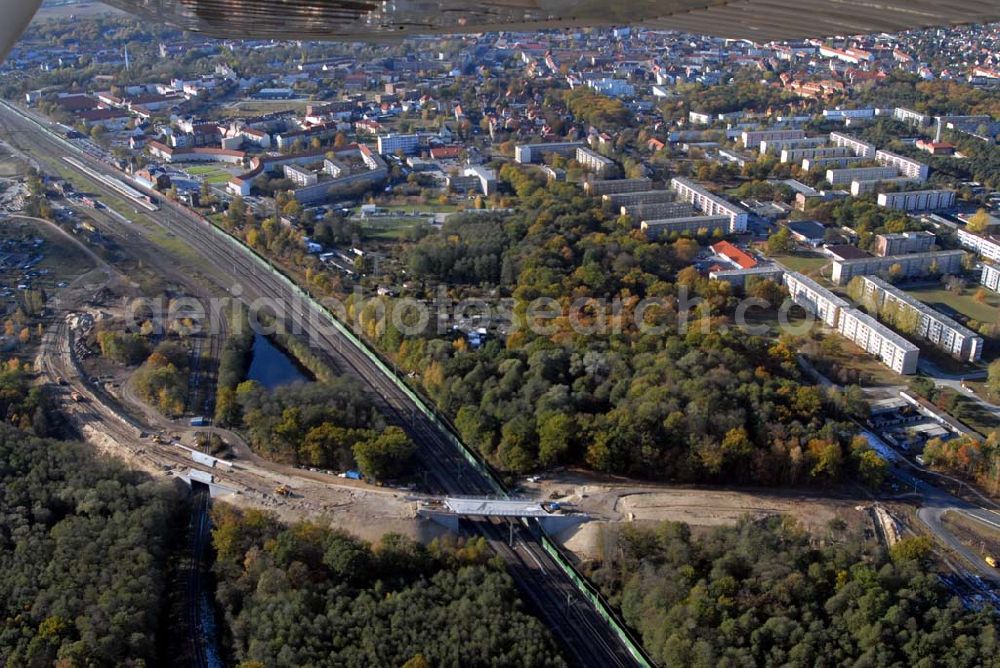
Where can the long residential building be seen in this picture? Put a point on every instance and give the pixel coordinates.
(809, 164)
(918, 200)
(814, 298)
(753, 138)
(987, 247)
(776, 146)
(595, 162)
(792, 155)
(906, 166)
(914, 264)
(599, 187)
(642, 197)
(901, 243)
(526, 154)
(862, 149)
(956, 340)
(990, 277)
(658, 211)
(738, 277)
(859, 188)
(840, 176)
(657, 229)
(709, 204)
(391, 143)
(875, 338)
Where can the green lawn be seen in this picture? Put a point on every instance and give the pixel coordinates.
(804, 262)
(935, 296)
(201, 170)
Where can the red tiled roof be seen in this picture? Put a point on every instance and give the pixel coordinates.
(726, 249)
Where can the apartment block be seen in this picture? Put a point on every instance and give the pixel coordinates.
(753, 138)
(642, 197)
(918, 200)
(990, 277)
(300, 177)
(910, 116)
(657, 229)
(859, 188)
(391, 143)
(738, 277)
(956, 340)
(776, 146)
(792, 155)
(526, 154)
(906, 166)
(814, 298)
(875, 338)
(841, 176)
(810, 164)
(914, 264)
(596, 163)
(984, 246)
(862, 149)
(904, 242)
(709, 204)
(599, 187)
(658, 211)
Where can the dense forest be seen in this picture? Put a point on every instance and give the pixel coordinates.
(331, 425)
(766, 593)
(83, 550)
(307, 595)
(705, 403)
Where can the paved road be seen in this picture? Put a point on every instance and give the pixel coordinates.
(586, 638)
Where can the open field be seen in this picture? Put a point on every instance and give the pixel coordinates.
(251, 107)
(964, 304)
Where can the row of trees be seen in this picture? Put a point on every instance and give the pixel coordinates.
(308, 595)
(766, 593)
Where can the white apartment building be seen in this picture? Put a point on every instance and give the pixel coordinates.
(986, 247)
(862, 149)
(526, 154)
(841, 176)
(918, 200)
(709, 204)
(789, 155)
(738, 277)
(776, 146)
(595, 162)
(657, 229)
(752, 138)
(990, 277)
(599, 187)
(391, 143)
(914, 264)
(875, 338)
(859, 188)
(906, 166)
(809, 164)
(300, 177)
(814, 298)
(643, 197)
(904, 242)
(956, 340)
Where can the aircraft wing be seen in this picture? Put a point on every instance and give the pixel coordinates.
(757, 20)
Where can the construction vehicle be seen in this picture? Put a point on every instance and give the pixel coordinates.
(282, 490)
(991, 561)
(76, 396)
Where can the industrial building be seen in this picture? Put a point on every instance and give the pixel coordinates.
(914, 264)
(918, 200)
(709, 204)
(956, 340)
(875, 338)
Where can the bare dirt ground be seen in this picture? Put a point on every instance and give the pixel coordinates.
(611, 503)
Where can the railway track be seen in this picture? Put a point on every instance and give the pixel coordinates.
(584, 635)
